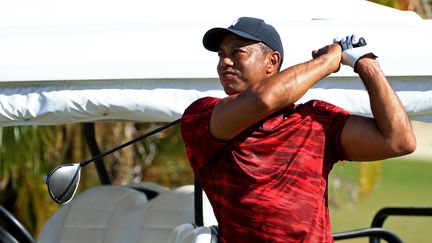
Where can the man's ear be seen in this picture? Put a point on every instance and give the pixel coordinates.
(274, 60)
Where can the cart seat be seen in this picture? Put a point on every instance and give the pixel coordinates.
(93, 216)
(121, 214)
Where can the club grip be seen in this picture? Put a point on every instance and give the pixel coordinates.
(361, 42)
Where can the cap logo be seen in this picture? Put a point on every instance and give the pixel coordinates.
(235, 22)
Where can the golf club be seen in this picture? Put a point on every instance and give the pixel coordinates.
(361, 42)
(63, 181)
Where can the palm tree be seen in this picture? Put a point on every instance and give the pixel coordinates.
(27, 153)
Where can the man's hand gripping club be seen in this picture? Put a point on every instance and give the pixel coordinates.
(353, 49)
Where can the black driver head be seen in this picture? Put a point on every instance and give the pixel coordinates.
(63, 182)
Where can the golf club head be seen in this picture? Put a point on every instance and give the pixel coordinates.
(63, 182)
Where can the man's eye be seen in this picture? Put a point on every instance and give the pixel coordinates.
(237, 52)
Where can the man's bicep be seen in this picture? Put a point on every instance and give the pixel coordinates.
(363, 141)
(223, 119)
(232, 115)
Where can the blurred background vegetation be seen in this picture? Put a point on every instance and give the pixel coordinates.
(422, 7)
(28, 153)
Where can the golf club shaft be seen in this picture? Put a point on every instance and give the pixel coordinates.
(84, 163)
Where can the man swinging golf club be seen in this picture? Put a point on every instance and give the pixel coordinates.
(264, 160)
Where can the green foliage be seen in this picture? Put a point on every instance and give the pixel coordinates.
(28, 153)
(25, 157)
(170, 167)
(402, 182)
(389, 3)
(159, 158)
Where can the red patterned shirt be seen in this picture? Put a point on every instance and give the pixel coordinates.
(269, 183)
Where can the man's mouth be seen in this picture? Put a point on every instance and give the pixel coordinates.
(227, 75)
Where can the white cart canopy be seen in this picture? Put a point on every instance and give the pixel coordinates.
(78, 61)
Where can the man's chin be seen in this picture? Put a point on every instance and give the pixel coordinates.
(229, 91)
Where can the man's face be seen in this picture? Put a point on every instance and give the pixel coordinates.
(241, 63)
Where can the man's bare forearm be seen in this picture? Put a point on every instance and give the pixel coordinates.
(388, 111)
(288, 86)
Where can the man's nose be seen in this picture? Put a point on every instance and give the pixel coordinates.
(226, 61)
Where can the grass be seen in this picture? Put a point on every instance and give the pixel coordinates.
(402, 182)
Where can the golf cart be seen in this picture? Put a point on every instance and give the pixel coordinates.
(146, 212)
(95, 70)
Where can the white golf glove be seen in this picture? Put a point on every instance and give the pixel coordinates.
(353, 49)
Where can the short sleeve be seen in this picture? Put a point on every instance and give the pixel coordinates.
(199, 143)
(333, 118)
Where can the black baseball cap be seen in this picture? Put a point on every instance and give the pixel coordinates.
(249, 28)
